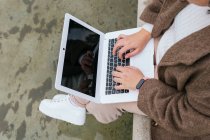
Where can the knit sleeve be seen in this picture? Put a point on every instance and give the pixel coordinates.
(184, 113)
(148, 27)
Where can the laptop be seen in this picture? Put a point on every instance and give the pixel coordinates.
(86, 63)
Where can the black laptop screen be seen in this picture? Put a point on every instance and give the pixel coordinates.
(81, 58)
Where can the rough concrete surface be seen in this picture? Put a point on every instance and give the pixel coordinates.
(141, 124)
(30, 33)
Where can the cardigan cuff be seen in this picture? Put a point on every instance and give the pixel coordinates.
(143, 102)
(148, 27)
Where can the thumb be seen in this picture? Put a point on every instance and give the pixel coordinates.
(121, 36)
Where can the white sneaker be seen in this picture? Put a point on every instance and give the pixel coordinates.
(60, 96)
(63, 96)
(63, 109)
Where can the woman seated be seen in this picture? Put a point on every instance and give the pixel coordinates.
(178, 98)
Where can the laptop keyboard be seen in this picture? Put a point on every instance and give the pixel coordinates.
(112, 63)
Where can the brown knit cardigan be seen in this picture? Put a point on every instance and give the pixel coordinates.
(179, 102)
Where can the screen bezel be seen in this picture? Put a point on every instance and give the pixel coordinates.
(59, 73)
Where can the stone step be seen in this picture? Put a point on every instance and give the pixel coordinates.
(141, 124)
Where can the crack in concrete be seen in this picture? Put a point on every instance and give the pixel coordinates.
(14, 30)
(44, 121)
(5, 35)
(21, 131)
(4, 108)
(15, 107)
(11, 17)
(46, 28)
(1, 52)
(37, 94)
(30, 4)
(55, 63)
(25, 30)
(18, 88)
(4, 126)
(21, 96)
(36, 19)
(22, 70)
(9, 130)
(9, 95)
(36, 7)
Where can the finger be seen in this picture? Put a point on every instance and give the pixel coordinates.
(118, 45)
(119, 87)
(88, 58)
(89, 52)
(120, 69)
(116, 74)
(88, 64)
(124, 70)
(86, 67)
(131, 54)
(131, 67)
(121, 36)
(122, 51)
(117, 80)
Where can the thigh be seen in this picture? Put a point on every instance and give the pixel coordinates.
(130, 107)
(104, 113)
(107, 113)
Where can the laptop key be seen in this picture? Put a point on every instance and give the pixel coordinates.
(112, 63)
(113, 91)
(126, 91)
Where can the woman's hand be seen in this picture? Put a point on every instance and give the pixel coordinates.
(135, 43)
(86, 62)
(199, 2)
(128, 77)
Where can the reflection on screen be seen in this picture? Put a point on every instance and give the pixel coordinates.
(81, 57)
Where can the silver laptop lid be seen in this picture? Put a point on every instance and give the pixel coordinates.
(80, 59)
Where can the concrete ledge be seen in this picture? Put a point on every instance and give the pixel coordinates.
(141, 128)
(141, 124)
